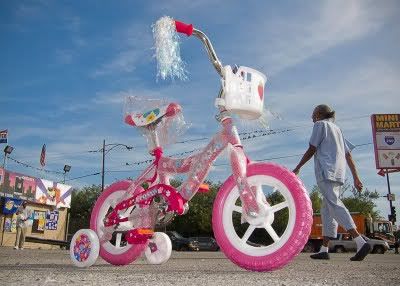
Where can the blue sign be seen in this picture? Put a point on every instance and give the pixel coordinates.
(52, 220)
(11, 205)
(389, 140)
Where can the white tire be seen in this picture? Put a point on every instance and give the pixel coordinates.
(159, 249)
(84, 248)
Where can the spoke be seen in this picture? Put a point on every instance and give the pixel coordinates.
(248, 233)
(237, 209)
(118, 240)
(272, 232)
(279, 206)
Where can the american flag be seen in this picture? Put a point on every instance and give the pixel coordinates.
(43, 156)
(3, 136)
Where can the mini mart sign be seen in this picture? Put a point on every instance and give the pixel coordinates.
(386, 135)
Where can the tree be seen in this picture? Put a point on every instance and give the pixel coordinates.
(82, 202)
(316, 200)
(198, 220)
(355, 201)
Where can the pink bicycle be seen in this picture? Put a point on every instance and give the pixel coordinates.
(125, 214)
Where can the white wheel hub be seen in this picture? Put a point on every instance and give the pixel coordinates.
(264, 219)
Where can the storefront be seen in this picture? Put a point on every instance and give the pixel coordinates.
(48, 203)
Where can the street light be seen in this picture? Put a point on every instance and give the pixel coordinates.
(67, 168)
(7, 150)
(113, 145)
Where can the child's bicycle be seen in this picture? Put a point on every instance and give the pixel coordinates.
(123, 218)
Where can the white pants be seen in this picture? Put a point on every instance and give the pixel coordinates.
(333, 211)
(20, 238)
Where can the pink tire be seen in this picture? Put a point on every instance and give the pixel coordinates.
(115, 250)
(282, 247)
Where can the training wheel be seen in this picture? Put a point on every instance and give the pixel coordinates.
(84, 248)
(159, 248)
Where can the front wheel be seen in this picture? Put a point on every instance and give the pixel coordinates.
(280, 235)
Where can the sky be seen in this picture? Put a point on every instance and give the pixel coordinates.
(66, 67)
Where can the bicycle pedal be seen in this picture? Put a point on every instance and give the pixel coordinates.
(204, 188)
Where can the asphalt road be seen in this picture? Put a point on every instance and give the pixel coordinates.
(53, 267)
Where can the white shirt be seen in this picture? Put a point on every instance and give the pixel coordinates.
(23, 216)
(330, 157)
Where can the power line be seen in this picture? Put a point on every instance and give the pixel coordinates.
(84, 176)
(215, 165)
(257, 160)
(250, 133)
(243, 136)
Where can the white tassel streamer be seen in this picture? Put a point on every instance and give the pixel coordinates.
(167, 53)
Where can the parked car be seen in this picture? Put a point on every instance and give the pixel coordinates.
(344, 242)
(206, 243)
(181, 243)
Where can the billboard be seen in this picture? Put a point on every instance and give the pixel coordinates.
(15, 185)
(53, 193)
(386, 135)
(19, 186)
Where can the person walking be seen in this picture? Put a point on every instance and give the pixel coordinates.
(331, 151)
(22, 217)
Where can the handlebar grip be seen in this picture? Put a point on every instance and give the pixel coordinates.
(184, 28)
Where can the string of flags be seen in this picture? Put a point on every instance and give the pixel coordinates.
(38, 169)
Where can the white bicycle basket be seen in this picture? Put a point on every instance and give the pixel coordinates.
(244, 92)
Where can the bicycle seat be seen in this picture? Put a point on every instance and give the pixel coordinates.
(151, 116)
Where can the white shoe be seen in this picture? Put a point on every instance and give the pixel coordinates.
(21, 248)
(16, 247)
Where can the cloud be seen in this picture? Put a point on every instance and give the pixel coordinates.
(131, 47)
(25, 11)
(64, 56)
(125, 62)
(288, 43)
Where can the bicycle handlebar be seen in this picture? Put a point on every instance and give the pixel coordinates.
(184, 28)
(189, 30)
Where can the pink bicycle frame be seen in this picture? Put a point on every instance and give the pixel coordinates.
(197, 166)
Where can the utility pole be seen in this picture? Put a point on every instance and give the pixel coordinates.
(392, 216)
(112, 146)
(102, 171)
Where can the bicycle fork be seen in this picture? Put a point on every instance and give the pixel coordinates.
(250, 196)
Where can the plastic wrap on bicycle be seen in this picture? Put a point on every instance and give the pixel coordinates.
(144, 217)
(168, 130)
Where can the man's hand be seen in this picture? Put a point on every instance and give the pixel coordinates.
(307, 156)
(358, 184)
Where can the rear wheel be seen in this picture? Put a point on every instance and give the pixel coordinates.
(84, 248)
(115, 249)
(339, 249)
(309, 247)
(378, 249)
(159, 248)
